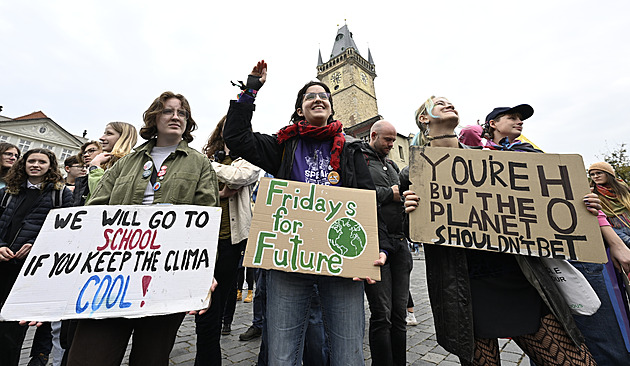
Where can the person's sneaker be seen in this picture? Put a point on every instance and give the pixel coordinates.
(252, 332)
(411, 319)
(227, 329)
(39, 360)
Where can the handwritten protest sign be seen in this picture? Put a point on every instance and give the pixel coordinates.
(509, 202)
(117, 261)
(316, 229)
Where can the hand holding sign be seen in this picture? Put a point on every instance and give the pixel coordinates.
(118, 261)
(527, 204)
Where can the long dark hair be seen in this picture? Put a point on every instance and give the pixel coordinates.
(17, 174)
(295, 117)
(4, 146)
(215, 142)
(150, 116)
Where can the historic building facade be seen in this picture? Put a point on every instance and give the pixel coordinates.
(350, 78)
(36, 130)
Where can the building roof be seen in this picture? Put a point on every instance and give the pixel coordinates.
(343, 41)
(34, 115)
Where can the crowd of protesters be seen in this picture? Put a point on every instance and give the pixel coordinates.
(476, 296)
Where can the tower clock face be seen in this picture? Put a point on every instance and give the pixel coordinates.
(335, 77)
(364, 78)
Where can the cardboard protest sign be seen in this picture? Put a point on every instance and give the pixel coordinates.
(315, 229)
(117, 261)
(510, 202)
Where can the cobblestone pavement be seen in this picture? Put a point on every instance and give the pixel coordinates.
(422, 348)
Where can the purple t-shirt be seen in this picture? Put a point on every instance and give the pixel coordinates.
(312, 161)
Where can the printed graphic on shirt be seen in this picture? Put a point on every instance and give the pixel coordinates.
(317, 168)
(312, 162)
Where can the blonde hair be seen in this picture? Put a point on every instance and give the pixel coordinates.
(423, 110)
(126, 141)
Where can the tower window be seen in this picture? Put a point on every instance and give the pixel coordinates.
(339, 36)
(400, 153)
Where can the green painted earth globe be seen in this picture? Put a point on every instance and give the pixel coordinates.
(346, 237)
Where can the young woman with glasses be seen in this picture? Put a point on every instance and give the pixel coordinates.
(185, 178)
(87, 152)
(311, 149)
(9, 155)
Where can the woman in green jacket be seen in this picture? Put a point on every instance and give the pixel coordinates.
(185, 177)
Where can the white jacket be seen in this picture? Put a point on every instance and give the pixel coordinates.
(243, 176)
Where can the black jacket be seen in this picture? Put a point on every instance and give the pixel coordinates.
(384, 179)
(277, 159)
(33, 220)
(448, 284)
(81, 190)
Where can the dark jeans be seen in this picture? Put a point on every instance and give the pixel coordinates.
(230, 302)
(42, 340)
(260, 309)
(208, 325)
(11, 338)
(315, 345)
(388, 308)
(245, 274)
(601, 330)
(104, 342)
(11, 333)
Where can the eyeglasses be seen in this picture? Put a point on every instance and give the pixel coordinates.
(90, 151)
(78, 166)
(170, 112)
(322, 96)
(11, 155)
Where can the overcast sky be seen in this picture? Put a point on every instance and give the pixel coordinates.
(86, 63)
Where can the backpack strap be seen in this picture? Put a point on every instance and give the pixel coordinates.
(57, 197)
(367, 158)
(6, 199)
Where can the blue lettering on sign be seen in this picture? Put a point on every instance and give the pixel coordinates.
(105, 293)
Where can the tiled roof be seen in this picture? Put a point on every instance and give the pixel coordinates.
(34, 115)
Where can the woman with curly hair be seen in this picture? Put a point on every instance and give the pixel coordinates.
(185, 177)
(34, 187)
(9, 154)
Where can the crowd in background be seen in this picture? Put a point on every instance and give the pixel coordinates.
(476, 297)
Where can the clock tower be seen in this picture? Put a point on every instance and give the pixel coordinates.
(350, 78)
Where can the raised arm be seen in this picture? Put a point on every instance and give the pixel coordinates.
(259, 149)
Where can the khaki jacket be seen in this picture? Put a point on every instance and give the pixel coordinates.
(189, 179)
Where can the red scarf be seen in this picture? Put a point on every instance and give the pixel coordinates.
(332, 130)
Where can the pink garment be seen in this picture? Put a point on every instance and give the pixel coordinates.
(471, 135)
(601, 218)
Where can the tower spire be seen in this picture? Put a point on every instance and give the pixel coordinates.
(343, 41)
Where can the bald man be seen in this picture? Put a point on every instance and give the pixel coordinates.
(388, 298)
